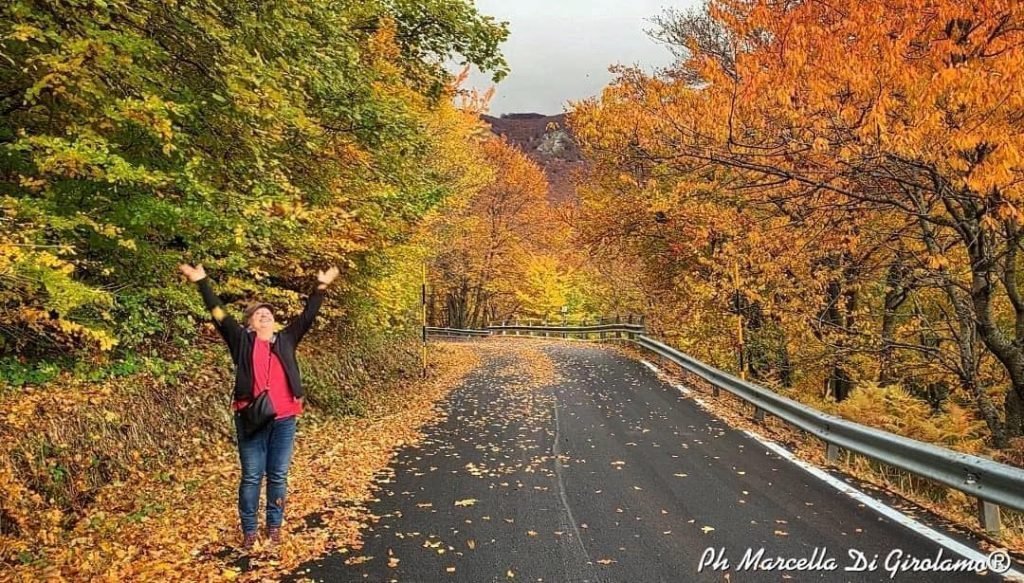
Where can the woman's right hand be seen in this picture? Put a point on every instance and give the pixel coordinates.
(193, 274)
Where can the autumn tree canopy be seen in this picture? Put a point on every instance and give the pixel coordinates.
(264, 140)
(846, 178)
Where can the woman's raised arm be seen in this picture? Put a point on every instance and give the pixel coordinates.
(229, 329)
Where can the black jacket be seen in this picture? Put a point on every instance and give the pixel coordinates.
(240, 340)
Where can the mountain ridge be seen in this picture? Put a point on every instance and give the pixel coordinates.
(548, 141)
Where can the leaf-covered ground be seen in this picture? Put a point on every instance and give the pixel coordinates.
(518, 459)
(184, 526)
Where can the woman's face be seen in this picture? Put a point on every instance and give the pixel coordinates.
(262, 320)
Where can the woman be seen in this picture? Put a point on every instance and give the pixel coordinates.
(264, 362)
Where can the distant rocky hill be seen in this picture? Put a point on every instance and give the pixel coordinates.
(548, 142)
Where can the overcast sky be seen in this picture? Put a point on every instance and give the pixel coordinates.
(561, 49)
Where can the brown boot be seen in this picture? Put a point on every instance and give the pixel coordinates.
(274, 534)
(248, 541)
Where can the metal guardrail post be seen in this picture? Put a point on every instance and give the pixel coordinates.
(990, 517)
(831, 452)
(758, 414)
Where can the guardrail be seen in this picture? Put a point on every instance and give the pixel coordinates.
(601, 330)
(431, 331)
(993, 484)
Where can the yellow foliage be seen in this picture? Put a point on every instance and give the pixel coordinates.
(894, 409)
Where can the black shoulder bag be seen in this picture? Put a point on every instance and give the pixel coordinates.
(260, 411)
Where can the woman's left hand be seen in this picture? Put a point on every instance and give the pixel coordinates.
(326, 277)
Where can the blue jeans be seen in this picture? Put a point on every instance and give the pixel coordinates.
(268, 451)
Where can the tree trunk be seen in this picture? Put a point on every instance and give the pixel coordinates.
(1014, 408)
(838, 383)
(968, 331)
(895, 295)
(981, 249)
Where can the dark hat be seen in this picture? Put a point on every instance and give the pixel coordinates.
(249, 311)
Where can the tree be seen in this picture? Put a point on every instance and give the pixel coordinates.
(263, 139)
(870, 138)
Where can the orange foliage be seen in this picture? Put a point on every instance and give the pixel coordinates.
(846, 178)
(497, 253)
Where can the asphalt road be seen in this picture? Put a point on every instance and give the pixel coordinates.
(607, 474)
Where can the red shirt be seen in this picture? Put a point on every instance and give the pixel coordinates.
(269, 372)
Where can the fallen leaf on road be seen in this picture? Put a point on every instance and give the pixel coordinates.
(466, 502)
(707, 529)
(357, 560)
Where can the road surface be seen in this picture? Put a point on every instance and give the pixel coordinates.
(603, 472)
